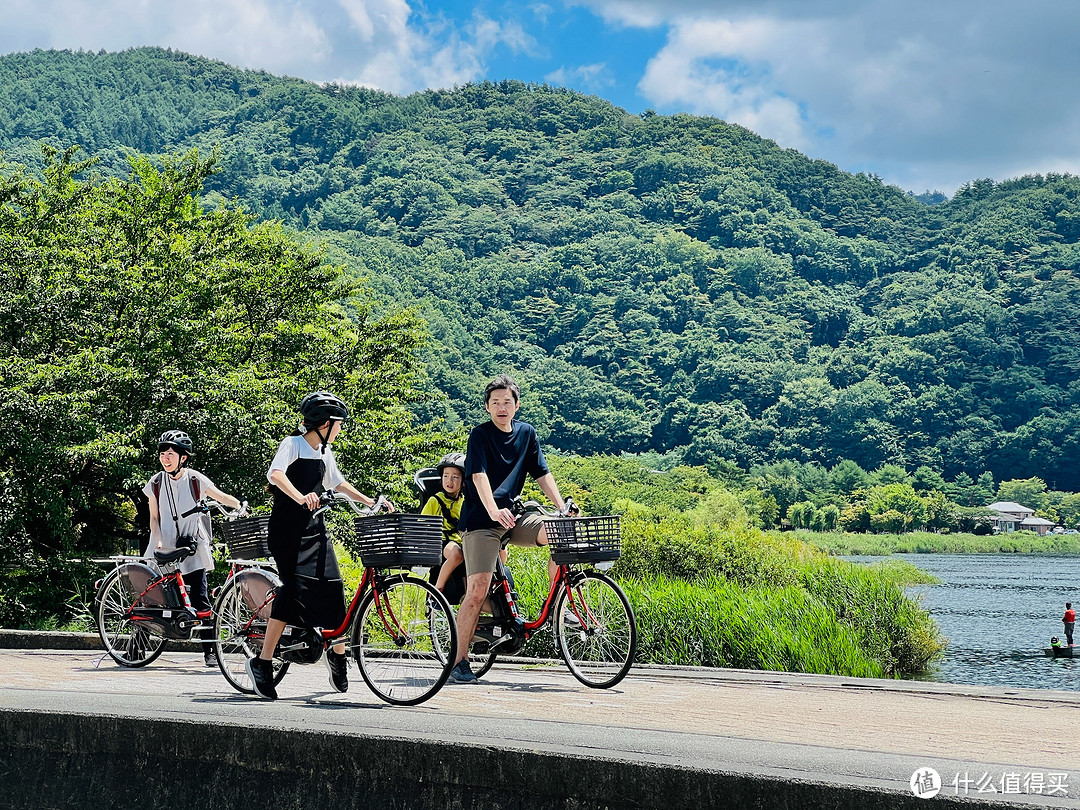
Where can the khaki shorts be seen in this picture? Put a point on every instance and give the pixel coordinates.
(481, 546)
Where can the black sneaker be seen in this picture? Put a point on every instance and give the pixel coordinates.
(338, 664)
(262, 677)
(210, 658)
(462, 673)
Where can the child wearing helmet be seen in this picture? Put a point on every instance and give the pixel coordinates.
(311, 594)
(447, 503)
(172, 492)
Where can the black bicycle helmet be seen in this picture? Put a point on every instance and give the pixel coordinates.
(178, 441)
(320, 406)
(452, 460)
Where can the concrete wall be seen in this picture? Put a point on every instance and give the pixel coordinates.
(53, 760)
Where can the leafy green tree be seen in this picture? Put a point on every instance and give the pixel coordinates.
(941, 513)
(899, 498)
(1069, 510)
(847, 476)
(984, 488)
(1030, 492)
(890, 474)
(801, 514)
(829, 517)
(855, 516)
(127, 308)
(926, 479)
(890, 521)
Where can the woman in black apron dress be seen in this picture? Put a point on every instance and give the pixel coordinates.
(311, 594)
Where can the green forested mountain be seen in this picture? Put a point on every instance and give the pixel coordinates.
(659, 283)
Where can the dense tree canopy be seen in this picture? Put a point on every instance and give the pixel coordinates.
(665, 284)
(126, 308)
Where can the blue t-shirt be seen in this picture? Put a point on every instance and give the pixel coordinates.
(506, 458)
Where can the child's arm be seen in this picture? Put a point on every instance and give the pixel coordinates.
(282, 482)
(222, 498)
(155, 527)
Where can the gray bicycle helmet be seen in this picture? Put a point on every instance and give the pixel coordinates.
(452, 460)
(178, 440)
(321, 406)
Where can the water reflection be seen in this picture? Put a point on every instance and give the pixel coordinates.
(999, 612)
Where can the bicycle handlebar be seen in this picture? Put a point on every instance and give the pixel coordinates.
(329, 500)
(519, 507)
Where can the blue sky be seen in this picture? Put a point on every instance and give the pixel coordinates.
(927, 94)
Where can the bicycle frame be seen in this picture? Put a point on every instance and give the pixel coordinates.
(369, 580)
(163, 579)
(563, 579)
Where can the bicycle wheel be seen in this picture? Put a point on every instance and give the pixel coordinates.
(129, 643)
(595, 629)
(404, 640)
(240, 613)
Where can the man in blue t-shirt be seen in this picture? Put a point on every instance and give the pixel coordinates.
(500, 454)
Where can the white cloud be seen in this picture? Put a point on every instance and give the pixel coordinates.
(593, 77)
(939, 93)
(434, 54)
(268, 34)
(387, 44)
(716, 68)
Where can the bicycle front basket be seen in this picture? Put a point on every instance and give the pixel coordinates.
(246, 538)
(399, 540)
(584, 539)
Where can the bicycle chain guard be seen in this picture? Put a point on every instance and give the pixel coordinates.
(300, 645)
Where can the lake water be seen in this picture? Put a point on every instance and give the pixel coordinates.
(999, 612)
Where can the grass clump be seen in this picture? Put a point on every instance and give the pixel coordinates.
(719, 623)
(1022, 542)
(727, 594)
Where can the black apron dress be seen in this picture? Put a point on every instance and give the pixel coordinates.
(311, 594)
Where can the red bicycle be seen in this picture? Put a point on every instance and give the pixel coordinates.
(399, 628)
(142, 602)
(594, 625)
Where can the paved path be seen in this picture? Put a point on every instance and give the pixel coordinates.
(1025, 743)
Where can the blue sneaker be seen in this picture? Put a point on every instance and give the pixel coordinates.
(462, 673)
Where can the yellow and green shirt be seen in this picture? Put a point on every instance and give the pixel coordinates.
(450, 510)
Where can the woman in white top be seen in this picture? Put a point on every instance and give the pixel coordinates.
(311, 594)
(173, 492)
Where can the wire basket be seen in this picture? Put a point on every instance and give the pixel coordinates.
(584, 539)
(247, 537)
(399, 540)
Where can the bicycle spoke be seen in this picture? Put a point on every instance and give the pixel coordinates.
(404, 640)
(595, 630)
(239, 631)
(128, 642)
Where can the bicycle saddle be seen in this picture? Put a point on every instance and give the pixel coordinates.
(177, 554)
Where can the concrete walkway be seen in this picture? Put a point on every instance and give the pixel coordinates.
(866, 737)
